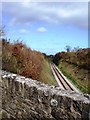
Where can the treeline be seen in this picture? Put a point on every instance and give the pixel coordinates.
(19, 59)
(80, 58)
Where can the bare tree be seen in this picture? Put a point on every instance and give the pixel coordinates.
(76, 49)
(68, 48)
(2, 31)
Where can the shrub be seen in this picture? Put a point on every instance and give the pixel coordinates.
(20, 59)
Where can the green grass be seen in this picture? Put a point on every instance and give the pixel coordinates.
(67, 70)
(46, 75)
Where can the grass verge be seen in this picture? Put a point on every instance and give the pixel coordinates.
(75, 75)
(46, 75)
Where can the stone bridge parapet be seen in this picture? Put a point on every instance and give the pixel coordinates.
(24, 98)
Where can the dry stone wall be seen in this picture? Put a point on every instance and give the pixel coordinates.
(24, 98)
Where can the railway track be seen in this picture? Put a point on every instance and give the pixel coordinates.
(63, 83)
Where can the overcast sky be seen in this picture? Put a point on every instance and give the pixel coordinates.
(47, 26)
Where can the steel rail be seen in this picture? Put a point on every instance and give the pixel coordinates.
(64, 83)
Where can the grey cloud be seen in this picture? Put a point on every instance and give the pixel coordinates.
(52, 13)
(45, 0)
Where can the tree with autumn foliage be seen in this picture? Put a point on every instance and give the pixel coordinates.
(80, 58)
(20, 59)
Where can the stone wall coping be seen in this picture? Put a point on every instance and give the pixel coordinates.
(45, 88)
